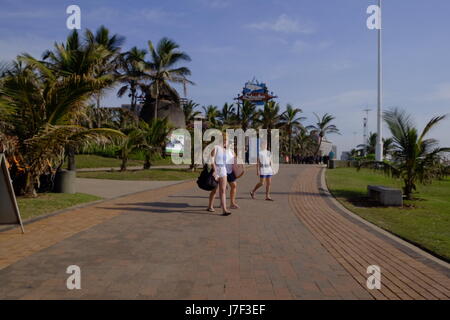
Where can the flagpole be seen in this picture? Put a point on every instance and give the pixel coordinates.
(379, 146)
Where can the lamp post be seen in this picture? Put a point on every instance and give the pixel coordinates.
(379, 145)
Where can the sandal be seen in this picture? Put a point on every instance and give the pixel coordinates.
(252, 194)
(226, 213)
(269, 199)
(210, 210)
(235, 206)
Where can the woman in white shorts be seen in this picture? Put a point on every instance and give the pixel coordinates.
(223, 160)
(264, 171)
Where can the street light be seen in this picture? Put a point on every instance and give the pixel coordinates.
(379, 146)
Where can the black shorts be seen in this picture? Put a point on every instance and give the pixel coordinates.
(231, 177)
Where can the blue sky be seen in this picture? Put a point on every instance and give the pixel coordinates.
(315, 54)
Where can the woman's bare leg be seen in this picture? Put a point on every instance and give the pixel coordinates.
(268, 185)
(233, 191)
(212, 197)
(223, 193)
(258, 185)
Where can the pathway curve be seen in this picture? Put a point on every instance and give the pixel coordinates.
(162, 244)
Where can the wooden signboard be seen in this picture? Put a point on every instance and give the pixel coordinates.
(9, 211)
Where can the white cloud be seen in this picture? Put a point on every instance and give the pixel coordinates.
(284, 24)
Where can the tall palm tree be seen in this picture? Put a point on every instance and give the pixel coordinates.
(323, 127)
(415, 157)
(227, 114)
(291, 121)
(131, 71)
(112, 44)
(190, 112)
(85, 59)
(212, 116)
(269, 117)
(162, 69)
(247, 115)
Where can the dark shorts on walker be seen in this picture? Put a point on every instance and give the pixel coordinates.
(231, 177)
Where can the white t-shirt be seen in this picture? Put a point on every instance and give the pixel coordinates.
(265, 160)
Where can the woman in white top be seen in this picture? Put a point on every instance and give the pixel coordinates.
(264, 171)
(223, 160)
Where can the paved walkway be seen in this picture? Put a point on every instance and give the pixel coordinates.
(162, 244)
(108, 189)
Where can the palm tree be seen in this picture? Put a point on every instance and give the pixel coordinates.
(370, 147)
(323, 127)
(190, 112)
(211, 115)
(112, 44)
(227, 115)
(415, 157)
(42, 106)
(162, 69)
(131, 71)
(268, 118)
(388, 145)
(88, 59)
(247, 115)
(291, 122)
(155, 138)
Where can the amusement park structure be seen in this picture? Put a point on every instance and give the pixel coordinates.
(256, 93)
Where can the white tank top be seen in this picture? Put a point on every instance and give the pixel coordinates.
(224, 158)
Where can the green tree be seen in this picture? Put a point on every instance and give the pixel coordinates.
(227, 114)
(247, 115)
(190, 113)
(91, 58)
(415, 158)
(155, 135)
(162, 69)
(291, 121)
(212, 116)
(41, 107)
(131, 72)
(322, 127)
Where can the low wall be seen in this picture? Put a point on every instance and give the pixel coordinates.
(333, 164)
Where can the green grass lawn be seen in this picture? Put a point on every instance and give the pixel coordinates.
(424, 221)
(84, 161)
(51, 202)
(152, 174)
(88, 161)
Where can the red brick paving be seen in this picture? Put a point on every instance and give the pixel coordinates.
(356, 248)
(162, 244)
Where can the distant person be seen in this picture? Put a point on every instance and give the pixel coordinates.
(264, 171)
(223, 160)
(331, 155)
